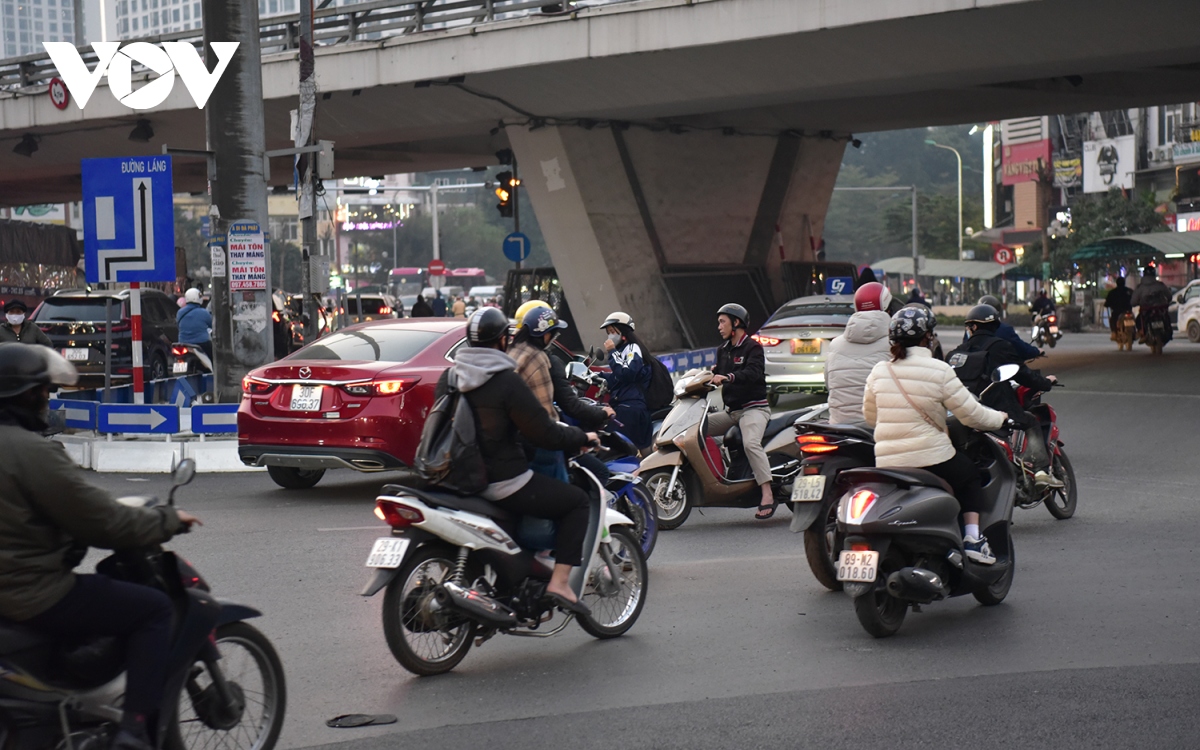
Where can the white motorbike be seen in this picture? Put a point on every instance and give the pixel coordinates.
(1045, 330)
(458, 570)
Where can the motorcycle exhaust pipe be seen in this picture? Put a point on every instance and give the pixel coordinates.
(917, 585)
(475, 605)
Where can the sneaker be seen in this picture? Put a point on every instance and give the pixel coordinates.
(126, 740)
(1044, 479)
(978, 550)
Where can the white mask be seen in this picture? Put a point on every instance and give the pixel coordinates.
(15, 319)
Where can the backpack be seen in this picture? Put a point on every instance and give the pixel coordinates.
(661, 390)
(973, 368)
(448, 454)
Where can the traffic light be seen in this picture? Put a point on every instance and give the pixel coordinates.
(506, 191)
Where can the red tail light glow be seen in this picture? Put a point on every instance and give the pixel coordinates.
(255, 387)
(1052, 318)
(765, 340)
(385, 310)
(275, 316)
(815, 444)
(179, 351)
(858, 505)
(860, 547)
(380, 387)
(397, 515)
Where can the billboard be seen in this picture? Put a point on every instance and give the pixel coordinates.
(1109, 163)
(1023, 162)
(1068, 172)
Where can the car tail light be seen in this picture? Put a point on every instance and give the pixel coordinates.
(256, 387)
(397, 515)
(380, 387)
(860, 502)
(815, 444)
(766, 340)
(384, 310)
(179, 351)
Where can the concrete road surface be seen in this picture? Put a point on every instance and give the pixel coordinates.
(738, 646)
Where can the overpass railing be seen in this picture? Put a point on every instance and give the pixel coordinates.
(376, 19)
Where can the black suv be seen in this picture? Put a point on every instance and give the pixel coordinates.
(75, 319)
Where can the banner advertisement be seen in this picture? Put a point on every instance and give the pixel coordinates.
(1068, 172)
(1023, 162)
(1109, 164)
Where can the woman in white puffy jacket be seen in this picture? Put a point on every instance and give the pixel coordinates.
(852, 355)
(906, 400)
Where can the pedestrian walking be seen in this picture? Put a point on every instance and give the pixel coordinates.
(421, 309)
(459, 308)
(439, 304)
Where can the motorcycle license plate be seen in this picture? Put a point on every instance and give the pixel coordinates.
(1053, 329)
(806, 346)
(388, 552)
(860, 567)
(179, 368)
(808, 489)
(306, 398)
(76, 355)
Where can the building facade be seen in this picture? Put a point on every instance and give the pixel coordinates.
(25, 24)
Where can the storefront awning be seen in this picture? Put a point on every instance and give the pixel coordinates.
(941, 269)
(1140, 246)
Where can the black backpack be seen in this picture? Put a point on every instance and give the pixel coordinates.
(973, 368)
(661, 390)
(448, 454)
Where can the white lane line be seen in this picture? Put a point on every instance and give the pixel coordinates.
(1072, 392)
(357, 528)
(730, 560)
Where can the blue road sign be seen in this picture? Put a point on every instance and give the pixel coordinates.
(681, 362)
(516, 247)
(214, 418)
(155, 419)
(80, 415)
(128, 219)
(839, 285)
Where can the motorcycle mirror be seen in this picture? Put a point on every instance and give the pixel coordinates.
(1005, 372)
(577, 371)
(185, 472)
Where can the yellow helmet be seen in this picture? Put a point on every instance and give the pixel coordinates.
(524, 309)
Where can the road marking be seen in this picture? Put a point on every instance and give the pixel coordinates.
(729, 560)
(1072, 392)
(357, 528)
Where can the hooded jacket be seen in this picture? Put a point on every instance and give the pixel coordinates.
(849, 361)
(505, 408)
(903, 438)
(1150, 293)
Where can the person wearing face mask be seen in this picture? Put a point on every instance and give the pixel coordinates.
(16, 328)
(629, 379)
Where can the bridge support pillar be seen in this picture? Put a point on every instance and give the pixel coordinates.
(667, 226)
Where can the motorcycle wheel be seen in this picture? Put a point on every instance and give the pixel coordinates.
(254, 673)
(672, 511)
(615, 608)
(821, 546)
(1052, 342)
(1061, 503)
(291, 478)
(990, 596)
(424, 642)
(644, 518)
(880, 613)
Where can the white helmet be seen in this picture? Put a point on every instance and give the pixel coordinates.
(619, 318)
(192, 295)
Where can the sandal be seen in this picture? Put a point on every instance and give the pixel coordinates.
(573, 607)
(769, 507)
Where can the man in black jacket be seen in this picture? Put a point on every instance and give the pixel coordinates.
(505, 408)
(741, 373)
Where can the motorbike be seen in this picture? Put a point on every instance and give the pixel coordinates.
(1125, 332)
(1156, 322)
(1061, 501)
(456, 572)
(225, 682)
(903, 542)
(190, 359)
(690, 468)
(1045, 330)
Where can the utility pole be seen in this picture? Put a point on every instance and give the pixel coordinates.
(516, 199)
(916, 258)
(437, 240)
(958, 156)
(306, 193)
(242, 334)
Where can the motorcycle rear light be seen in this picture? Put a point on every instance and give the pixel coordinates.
(817, 448)
(179, 351)
(1052, 318)
(766, 340)
(860, 547)
(860, 503)
(396, 515)
(275, 316)
(812, 469)
(256, 387)
(802, 439)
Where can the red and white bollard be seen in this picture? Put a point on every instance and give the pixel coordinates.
(135, 315)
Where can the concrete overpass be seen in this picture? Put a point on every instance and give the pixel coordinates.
(658, 135)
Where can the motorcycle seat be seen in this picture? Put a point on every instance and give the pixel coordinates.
(476, 505)
(843, 430)
(781, 422)
(904, 478)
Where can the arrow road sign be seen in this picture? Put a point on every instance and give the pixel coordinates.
(516, 247)
(153, 419)
(80, 415)
(214, 418)
(128, 219)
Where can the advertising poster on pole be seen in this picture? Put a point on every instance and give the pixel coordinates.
(1109, 163)
(247, 256)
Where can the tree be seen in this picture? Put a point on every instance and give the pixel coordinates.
(1096, 216)
(937, 225)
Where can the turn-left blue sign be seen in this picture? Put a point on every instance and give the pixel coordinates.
(128, 219)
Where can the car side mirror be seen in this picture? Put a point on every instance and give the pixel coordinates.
(1005, 372)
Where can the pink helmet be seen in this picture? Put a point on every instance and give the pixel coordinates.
(872, 296)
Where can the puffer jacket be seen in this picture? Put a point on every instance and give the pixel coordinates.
(849, 360)
(902, 436)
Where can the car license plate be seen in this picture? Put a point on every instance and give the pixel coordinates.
(808, 489)
(858, 566)
(76, 355)
(306, 398)
(806, 346)
(388, 552)
(179, 367)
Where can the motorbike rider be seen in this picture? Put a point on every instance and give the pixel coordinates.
(1119, 301)
(1150, 293)
(17, 328)
(506, 408)
(906, 398)
(195, 323)
(852, 355)
(1007, 332)
(1043, 305)
(629, 379)
(49, 515)
(976, 371)
(741, 373)
(590, 416)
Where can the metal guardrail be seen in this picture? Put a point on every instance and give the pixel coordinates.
(377, 19)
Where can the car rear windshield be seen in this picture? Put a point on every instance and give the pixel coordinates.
(370, 345)
(370, 306)
(812, 314)
(73, 309)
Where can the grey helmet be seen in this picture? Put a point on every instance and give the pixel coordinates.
(988, 299)
(910, 325)
(27, 366)
(737, 313)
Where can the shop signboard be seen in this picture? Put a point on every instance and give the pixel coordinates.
(1068, 172)
(1023, 162)
(1109, 163)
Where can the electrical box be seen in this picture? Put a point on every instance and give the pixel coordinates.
(325, 160)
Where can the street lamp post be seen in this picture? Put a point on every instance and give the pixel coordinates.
(957, 155)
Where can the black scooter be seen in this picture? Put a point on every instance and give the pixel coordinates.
(903, 545)
(225, 684)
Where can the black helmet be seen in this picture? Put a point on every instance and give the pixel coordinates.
(486, 326)
(27, 366)
(988, 299)
(984, 314)
(737, 313)
(911, 324)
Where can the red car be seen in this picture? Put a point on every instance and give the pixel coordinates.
(354, 399)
